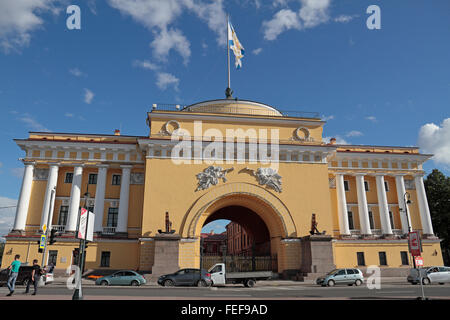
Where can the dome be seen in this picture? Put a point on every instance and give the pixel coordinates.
(230, 106)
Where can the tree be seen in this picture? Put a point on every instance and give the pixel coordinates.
(437, 187)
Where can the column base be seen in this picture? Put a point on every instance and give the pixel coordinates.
(17, 232)
(430, 237)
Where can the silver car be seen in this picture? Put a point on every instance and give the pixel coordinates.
(430, 275)
(342, 276)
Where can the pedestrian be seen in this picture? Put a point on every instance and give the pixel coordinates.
(35, 276)
(14, 271)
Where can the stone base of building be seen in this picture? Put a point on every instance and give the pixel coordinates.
(166, 255)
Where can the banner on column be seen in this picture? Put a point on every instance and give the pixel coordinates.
(414, 243)
(86, 225)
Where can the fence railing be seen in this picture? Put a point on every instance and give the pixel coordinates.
(242, 263)
(109, 230)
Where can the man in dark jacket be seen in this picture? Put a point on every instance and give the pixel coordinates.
(35, 276)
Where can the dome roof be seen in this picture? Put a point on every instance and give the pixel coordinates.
(232, 106)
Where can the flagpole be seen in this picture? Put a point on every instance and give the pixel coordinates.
(228, 92)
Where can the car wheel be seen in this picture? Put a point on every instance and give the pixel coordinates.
(358, 282)
(168, 283)
(250, 283)
(331, 283)
(426, 281)
(135, 283)
(104, 283)
(202, 283)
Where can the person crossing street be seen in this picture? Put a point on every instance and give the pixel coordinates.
(35, 276)
(14, 271)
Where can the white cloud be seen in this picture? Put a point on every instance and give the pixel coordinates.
(69, 115)
(257, 51)
(88, 96)
(168, 40)
(166, 79)
(19, 18)
(354, 133)
(17, 172)
(314, 12)
(339, 140)
(343, 18)
(371, 118)
(283, 20)
(7, 215)
(145, 64)
(326, 118)
(436, 140)
(32, 123)
(76, 72)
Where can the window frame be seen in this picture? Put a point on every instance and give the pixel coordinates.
(346, 185)
(93, 180)
(350, 218)
(105, 258)
(382, 257)
(116, 219)
(360, 258)
(71, 177)
(114, 179)
(65, 217)
(404, 258)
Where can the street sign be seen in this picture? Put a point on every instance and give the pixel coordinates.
(419, 261)
(42, 242)
(44, 228)
(414, 242)
(82, 225)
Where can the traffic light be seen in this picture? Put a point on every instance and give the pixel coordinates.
(39, 246)
(52, 239)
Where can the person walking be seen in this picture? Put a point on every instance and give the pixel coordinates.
(35, 276)
(14, 271)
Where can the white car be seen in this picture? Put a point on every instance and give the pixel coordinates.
(430, 275)
(48, 278)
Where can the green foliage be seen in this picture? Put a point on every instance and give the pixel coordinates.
(437, 187)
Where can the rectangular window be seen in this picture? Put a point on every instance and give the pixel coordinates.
(52, 257)
(360, 258)
(391, 219)
(382, 256)
(63, 212)
(92, 178)
(116, 179)
(404, 256)
(346, 185)
(69, 177)
(351, 226)
(106, 256)
(371, 221)
(366, 185)
(113, 214)
(386, 186)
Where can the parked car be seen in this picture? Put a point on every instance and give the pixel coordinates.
(48, 278)
(429, 275)
(186, 277)
(123, 278)
(342, 276)
(22, 278)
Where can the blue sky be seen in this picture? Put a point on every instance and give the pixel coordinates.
(383, 87)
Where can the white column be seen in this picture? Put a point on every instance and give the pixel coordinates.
(386, 227)
(404, 215)
(100, 198)
(425, 217)
(24, 198)
(51, 184)
(342, 205)
(363, 210)
(122, 223)
(74, 205)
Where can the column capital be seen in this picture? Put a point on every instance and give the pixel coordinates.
(418, 175)
(54, 164)
(126, 166)
(356, 174)
(28, 163)
(102, 165)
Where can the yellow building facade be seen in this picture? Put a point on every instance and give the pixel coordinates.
(223, 159)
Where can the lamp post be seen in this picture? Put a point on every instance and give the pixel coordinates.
(78, 294)
(406, 202)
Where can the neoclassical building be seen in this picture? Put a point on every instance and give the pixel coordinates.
(183, 166)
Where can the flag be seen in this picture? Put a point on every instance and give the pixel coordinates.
(236, 46)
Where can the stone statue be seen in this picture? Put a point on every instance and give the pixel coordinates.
(314, 229)
(210, 176)
(266, 176)
(168, 226)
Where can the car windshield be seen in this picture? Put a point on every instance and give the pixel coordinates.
(332, 272)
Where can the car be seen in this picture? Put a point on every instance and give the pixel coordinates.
(349, 276)
(429, 275)
(122, 278)
(186, 277)
(22, 278)
(48, 278)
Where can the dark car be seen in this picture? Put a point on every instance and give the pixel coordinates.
(186, 277)
(22, 278)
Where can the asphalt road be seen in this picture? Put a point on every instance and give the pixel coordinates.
(387, 291)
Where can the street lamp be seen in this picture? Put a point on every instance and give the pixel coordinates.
(406, 202)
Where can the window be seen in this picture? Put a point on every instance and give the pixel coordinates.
(404, 256)
(92, 178)
(371, 221)
(346, 185)
(106, 256)
(69, 177)
(350, 271)
(360, 258)
(52, 257)
(391, 219)
(366, 185)
(382, 256)
(341, 272)
(113, 214)
(63, 212)
(386, 186)
(116, 179)
(351, 226)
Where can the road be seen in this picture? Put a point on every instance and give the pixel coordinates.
(306, 292)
